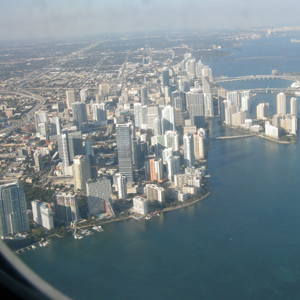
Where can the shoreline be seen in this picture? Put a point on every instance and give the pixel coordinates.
(258, 135)
(168, 209)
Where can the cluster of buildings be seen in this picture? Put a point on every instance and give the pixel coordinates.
(235, 111)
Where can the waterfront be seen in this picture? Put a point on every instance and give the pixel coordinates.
(241, 242)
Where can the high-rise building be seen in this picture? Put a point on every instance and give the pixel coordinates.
(81, 172)
(195, 106)
(55, 126)
(180, 102)
(208, 105)
(199, 150)
(60, 106)
(271, 131)
(79, 114)
(154, 169)
(140, 115)
(294, 107)
(122, 186)
(99, 194)
(152, 113)
(173, 166)
(234, 98)
(104, 89)
(69, 145)
(165, 78)
(168, 118)
(144, 96)
(40, 117)
(188, 150)
(155, 193)
(171, 140)
(140, 205)
(262, 111)
(66, 207)
(83, 95)
(99, 114)
(71, 98)
(88, 148)
(13, 210)
(281, 104)
(124, 135)
(42, 214)
(37, 161)
(157, 126)
(245, 104)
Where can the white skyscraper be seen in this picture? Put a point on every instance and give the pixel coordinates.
(245, 104)
(42, 214)
(262, 111)
(208, 105)
(188, 150)
(140, 205)
(171, 139)
(168, 115)
(99, 114)
(122, 186)
(173, 166)
(294, 107)
(83, 95)
(281, 104)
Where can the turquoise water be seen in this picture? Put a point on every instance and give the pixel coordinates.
(242, 242)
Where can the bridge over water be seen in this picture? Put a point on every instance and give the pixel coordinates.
(255, 77)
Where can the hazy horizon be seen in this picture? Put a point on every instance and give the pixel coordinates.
(49, 19)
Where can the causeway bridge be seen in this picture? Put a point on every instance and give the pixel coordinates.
(234, 137)
(221, 79)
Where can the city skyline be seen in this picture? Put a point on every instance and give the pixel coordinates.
(50, 19)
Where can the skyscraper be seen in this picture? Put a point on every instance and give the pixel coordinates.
(69, 145)
(188, 150)
(122, 186)
(281, 104)
(83, 95)
(98, 193)
(294, 107)
(165, 77)
(208, 105)
(42, 214)
(79, 114)
(71, 98)
(195, 106)
(13, 210)
(199, 145)
(66, 207)
(173, 166)
(81, 171)
(99, 114)
(144, 95)
(168, 121)
(124, 135)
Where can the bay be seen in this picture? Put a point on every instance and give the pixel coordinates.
(242, 242)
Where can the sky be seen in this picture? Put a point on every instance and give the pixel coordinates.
(22, 19)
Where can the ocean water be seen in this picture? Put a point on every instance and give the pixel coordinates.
(242, 242)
